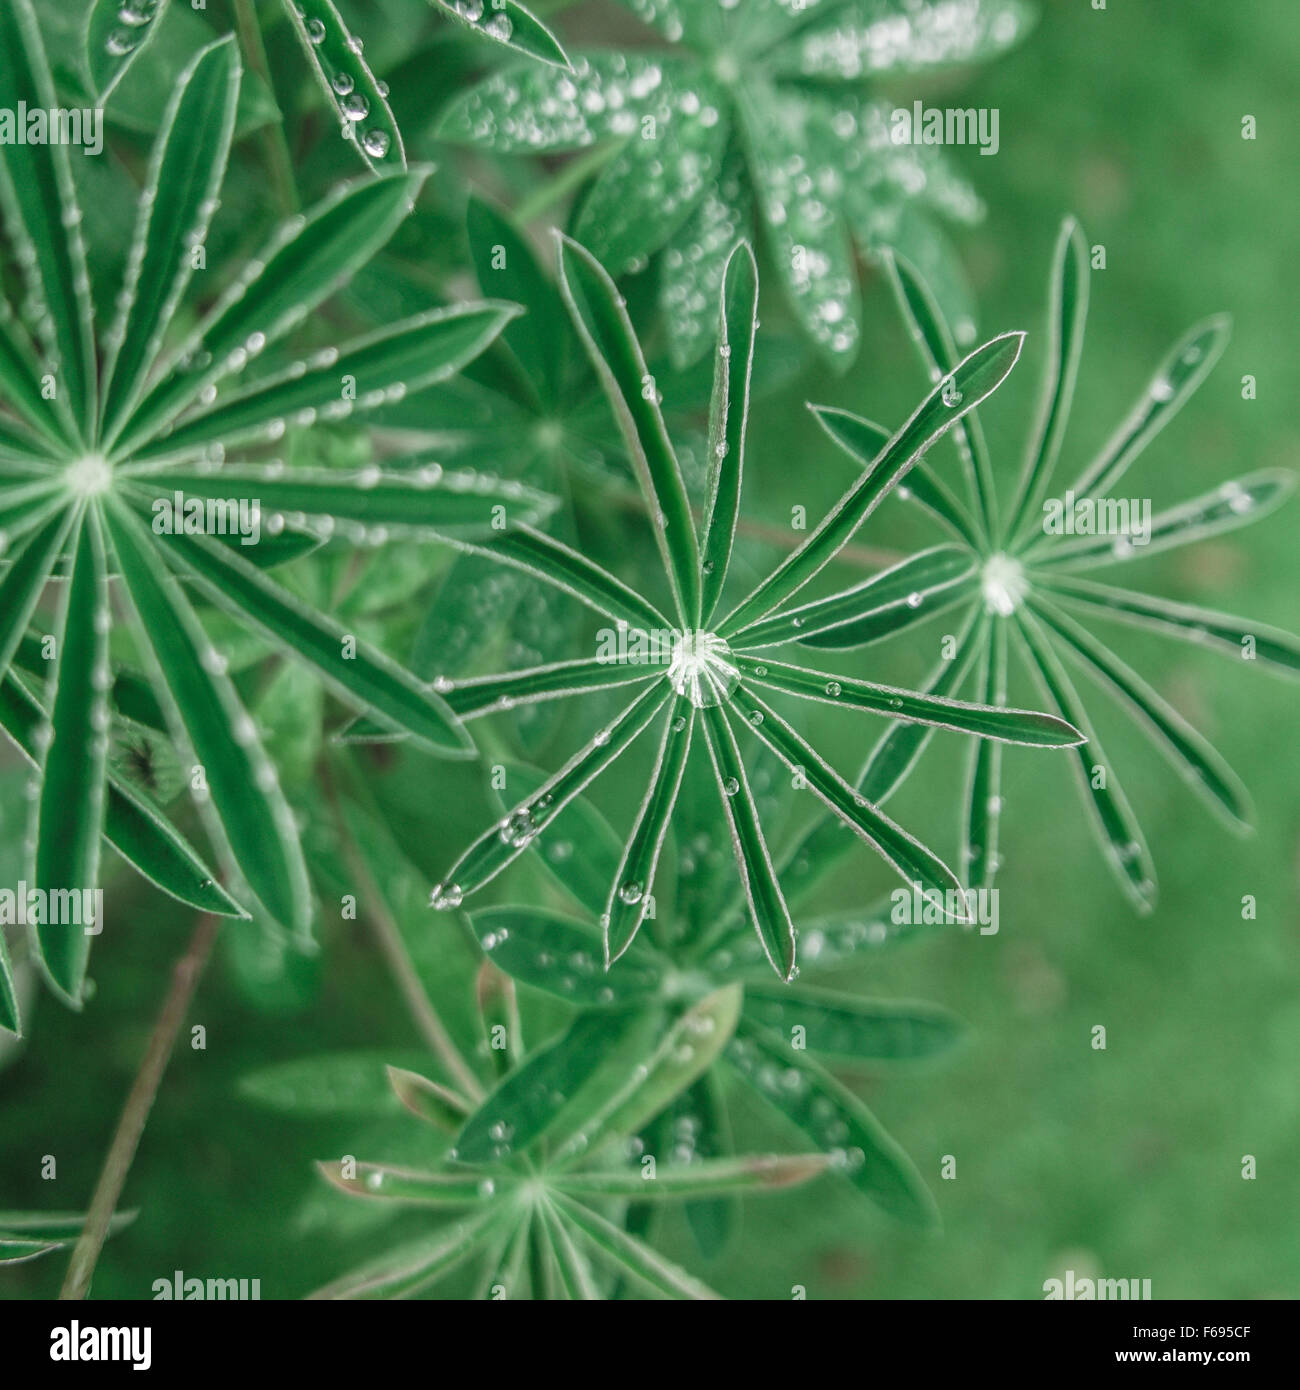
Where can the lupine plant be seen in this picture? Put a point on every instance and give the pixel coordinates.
(1015, 573)
(701, 668)
(385, 580)
(755, 114)
(102, 442)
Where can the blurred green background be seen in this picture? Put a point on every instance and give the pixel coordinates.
(1125, 1162)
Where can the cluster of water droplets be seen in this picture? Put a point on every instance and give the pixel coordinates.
(131, 27)
(701, 668)
(344, 71)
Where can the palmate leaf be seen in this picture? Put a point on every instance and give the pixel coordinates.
(254, 819)
(343, 74)
(68, 818)
(976, 378)
(575, 1275)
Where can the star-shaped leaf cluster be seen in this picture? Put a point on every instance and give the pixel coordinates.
(1017, 575)
(99, 437)
(755, 115)
(700, 674)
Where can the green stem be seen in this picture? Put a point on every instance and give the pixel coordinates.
(135, 1114)
(275, 146)
(563, 182)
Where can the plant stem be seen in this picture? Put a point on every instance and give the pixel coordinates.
(276, 147)
(135, 1113)
(563, 182)
(389, 938)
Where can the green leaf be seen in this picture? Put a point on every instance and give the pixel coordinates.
(307, 260)
(510, 23)
(904, 742)
(427, 1099)
(504, 842)
(974, 380)
(562, 957)
(42, 219)
(626, 1255)
(983, 800)
(20, 376)
(575, 1274)
(365, 507)
(986, 721)
(747, 1176)
(439, 1191)
(907, 855)
(600, 316)
(651, 186)
(339, 1083)
(116, 35)
(539, 340)
(863, 439)
(186, 171)
(349, 85)
(792, 157)
(846, 1027)
(585, 860)
(530, 1100)
(836, 1121)
(68, 819)
(403, 1272)
(1186, 365)
(385, 365)
(887, 602)
(630, 889)
(28, 567)
(767, 906)
(206, 713)
(1117, 828)
(359, 673)
(555, 563)
(479, 695)
(1067, 317)
(10, 1017)
(1201, 765)
(694, 260)
(133, 825)
(938, 349)
(1230, 505)
(728, 419)
(865, 38)
(1250, 641)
